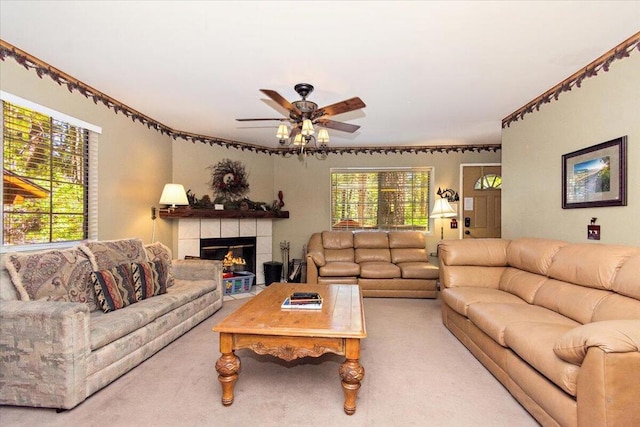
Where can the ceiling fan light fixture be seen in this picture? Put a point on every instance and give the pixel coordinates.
(323, 137)
(307, 128)
(283, 133)
(299, 141)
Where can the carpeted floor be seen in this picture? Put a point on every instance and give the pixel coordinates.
(417, 374)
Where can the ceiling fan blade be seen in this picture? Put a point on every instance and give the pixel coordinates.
(342, 107)
(279, 99)
(282, 119)
(341, 126)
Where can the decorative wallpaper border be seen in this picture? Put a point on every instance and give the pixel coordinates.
(623, 50)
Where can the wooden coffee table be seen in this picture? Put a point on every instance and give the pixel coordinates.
(262, 326)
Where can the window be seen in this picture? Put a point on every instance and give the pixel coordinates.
(49, 176)
(386, 199)
(488, 182)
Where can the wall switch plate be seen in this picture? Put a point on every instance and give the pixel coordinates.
(593, 232)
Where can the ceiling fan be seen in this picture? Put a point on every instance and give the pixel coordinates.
(303, 114)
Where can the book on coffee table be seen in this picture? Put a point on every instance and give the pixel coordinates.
(302, 304)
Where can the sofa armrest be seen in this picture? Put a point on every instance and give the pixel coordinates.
(197, 269)
(312, 271)
(611, 336)
(43, 350)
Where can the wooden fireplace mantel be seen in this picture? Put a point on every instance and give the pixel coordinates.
(181, 212)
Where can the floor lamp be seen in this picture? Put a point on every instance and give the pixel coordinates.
(442, 209)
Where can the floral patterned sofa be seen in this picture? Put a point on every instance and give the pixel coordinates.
(74, 320)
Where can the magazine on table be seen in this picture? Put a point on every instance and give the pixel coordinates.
(303, 301)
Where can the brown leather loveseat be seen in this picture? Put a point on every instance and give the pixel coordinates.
(384, 264)
(557, 324)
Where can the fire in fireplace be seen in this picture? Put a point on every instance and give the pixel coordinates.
(231, 249)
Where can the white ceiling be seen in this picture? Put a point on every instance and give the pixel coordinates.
(431, 73)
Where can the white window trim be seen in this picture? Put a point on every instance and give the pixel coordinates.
(92, 211)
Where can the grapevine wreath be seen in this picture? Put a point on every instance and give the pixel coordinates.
(229, 180)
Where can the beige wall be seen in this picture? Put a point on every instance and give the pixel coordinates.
(306, 189)
(134, 162)
(606, 107)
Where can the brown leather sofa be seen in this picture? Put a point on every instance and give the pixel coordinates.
(384, 264)
(557, 324)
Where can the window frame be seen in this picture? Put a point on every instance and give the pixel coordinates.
(428, 229)
(91, 204)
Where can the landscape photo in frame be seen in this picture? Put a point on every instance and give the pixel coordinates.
(595, 176)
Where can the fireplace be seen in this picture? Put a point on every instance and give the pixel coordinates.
(237, 247)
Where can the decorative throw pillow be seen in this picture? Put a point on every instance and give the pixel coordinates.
(149, 279)
(106, 254)
(159, 252)
(114, 287)
(52, 275)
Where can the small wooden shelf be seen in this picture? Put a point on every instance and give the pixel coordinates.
(178, 213)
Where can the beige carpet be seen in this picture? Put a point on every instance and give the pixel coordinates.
(417, 374)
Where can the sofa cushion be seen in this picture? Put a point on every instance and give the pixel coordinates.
(52, 275)
(577, 302)
(474, 252)
(626, 281)
(149, 279)
(407, 239)
(371, 240)
(340, 269)
(494, 318)
(521, 283)
(460, 298)
(372, 255)
(418, 270)
(534, 341)
(114, 287)
(159, 252)
(106, 328)
(339, 255)
(107, 254)
(617, 307)
(379, 270)
(337, 239)
(533, 255)
(409, 255)
(590, 265)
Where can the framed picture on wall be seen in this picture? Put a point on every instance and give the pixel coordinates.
(595, 176)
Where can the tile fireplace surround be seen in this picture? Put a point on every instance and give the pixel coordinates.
(191, 230)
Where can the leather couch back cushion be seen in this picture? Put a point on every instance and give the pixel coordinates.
(590, 265)
(627, 281)
(617, 307)
(337, 239)
(407, 239)
(533, 255)
(521, 283)
(409, 255)
(575, 302)
(371, 240)
(339, 255)
(371, 255)
(485, 252)
(463, 275)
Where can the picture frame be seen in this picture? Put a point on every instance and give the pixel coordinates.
(595, 176)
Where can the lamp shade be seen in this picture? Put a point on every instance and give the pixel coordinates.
(323, 137)
(442, 209)
(283, 132)
(173, 194)
(307, 128)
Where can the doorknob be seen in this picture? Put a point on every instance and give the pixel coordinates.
(467, 232)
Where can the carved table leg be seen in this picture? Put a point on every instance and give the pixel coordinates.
(351, 373)
(228, 366)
